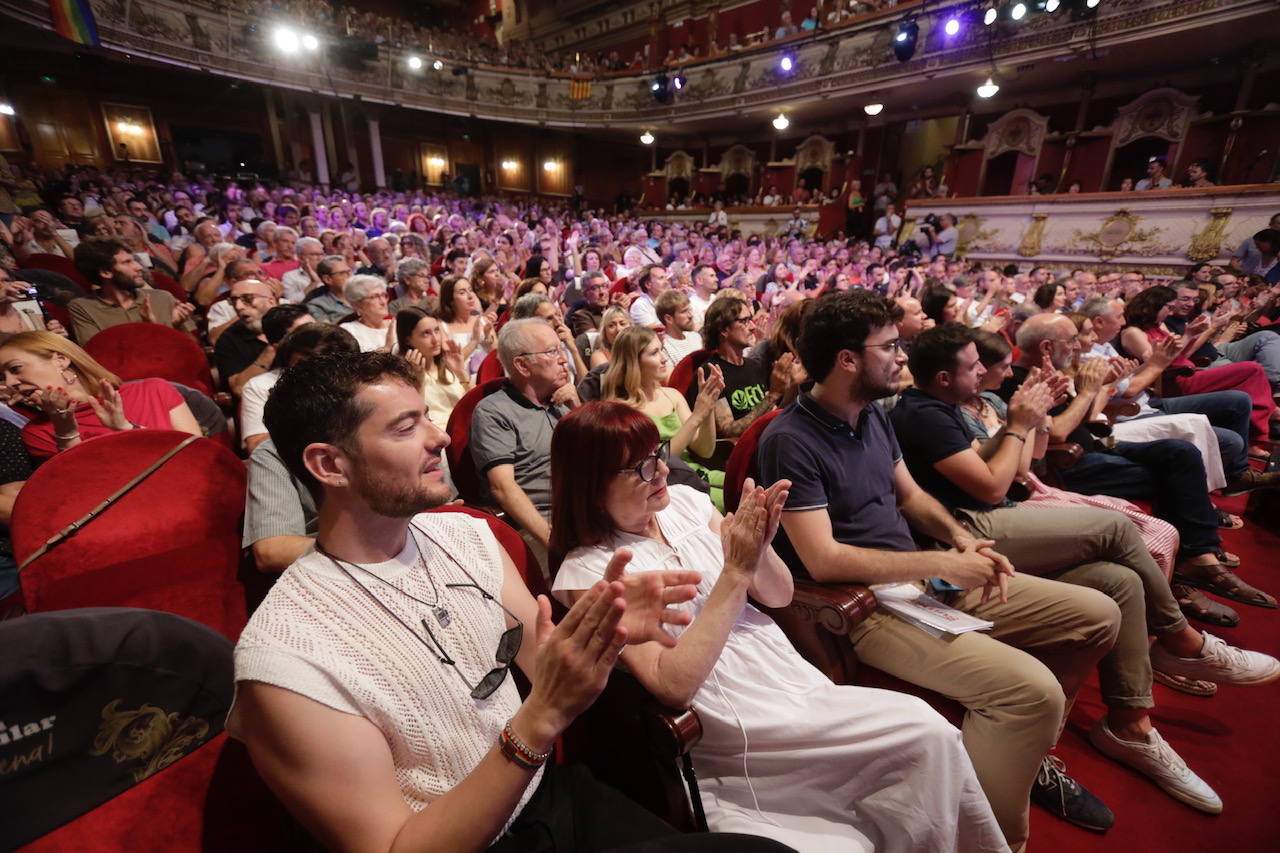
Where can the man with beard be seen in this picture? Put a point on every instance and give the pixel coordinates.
(242, 351)
(367, 689)
(849, 518)
(120, 298)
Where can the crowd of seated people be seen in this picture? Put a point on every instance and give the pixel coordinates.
(349, 329)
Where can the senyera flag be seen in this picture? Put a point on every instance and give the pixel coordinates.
(73, 19)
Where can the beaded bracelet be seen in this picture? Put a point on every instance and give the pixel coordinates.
(518, 752)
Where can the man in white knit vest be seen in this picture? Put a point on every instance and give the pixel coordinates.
(372, 687)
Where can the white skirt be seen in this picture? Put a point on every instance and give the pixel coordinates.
(1191, 427)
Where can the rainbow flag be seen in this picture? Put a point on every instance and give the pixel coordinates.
(73, 19)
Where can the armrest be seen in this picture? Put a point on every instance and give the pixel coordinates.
(1063, 456)
(1169, 380)
(1120, 409)
(818, 621)
(226, 402)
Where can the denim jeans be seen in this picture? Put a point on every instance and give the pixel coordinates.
(1228, 412)
(1262, 347)
(1170, 472)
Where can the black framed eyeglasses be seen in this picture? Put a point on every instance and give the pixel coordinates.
(896, 345)
(647, 470)
(508, 647)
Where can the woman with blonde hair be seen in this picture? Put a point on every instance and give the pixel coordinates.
(615, 320)
(71, 398)
(636, 376)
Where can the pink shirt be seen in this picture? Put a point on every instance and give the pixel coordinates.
(147, 403)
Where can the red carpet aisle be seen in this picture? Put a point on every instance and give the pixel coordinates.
(1231, 740)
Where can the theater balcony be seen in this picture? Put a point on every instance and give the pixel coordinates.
(835, 72)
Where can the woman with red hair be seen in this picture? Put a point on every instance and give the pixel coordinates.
(785, 753)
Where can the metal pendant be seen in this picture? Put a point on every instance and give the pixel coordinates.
(442, 615)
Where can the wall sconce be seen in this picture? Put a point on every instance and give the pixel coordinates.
(436, 162)
(550, 166)
(129, 128)
(509, 165)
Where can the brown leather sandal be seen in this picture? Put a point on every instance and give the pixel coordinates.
(1227, 521)
(1226, 558)
(1196, 605)
(1219, 580)
(1182, 684)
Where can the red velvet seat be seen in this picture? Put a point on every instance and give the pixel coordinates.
(461, 467)
(55, 263)
(490, 368)
(682, 374)
(172, 543)
(145, 350)
(162, 281)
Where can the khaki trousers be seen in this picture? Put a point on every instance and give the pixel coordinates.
(1014, 681)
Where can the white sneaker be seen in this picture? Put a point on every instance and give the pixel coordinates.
(1156, 760)
(1219, 663)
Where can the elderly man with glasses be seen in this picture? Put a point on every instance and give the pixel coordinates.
(511, 429)
(242, 351)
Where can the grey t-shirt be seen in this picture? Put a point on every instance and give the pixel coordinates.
(508, 429)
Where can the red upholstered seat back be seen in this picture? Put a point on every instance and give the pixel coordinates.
(512, 543)
(741, 460)
(145, 350)
(172, 543)
(163, 281)
(461, 468)
(55, 263)
(682, 374)
(490, 368)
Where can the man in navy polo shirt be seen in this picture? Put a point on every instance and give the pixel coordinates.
(849, 518)
(1087, 546)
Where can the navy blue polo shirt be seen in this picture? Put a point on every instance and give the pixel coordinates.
(930, 430)
(832, 466)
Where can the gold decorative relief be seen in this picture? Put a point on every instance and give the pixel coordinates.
(1030, 245)
(1207, 245)
(1119, 235)
(970, 233)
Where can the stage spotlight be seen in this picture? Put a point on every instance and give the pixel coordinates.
(1092, 4)
(310, 42)
(661, 89)
(679, 81)
(904, 41)
(990, 15)
(988, 89)
(415, 63)
(1018, 11)
(286, 40)
(646, 138)
(6, 109)
(437, 65)
(1052, 5)
(873, 109)
(952, 26)
(786, 63)
(781, 122)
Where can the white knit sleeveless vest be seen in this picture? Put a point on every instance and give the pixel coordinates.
(319, 635)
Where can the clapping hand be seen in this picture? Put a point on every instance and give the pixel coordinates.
(710, 386)
(181, 312)
(649, 596)
(746, 534)
(109, 407)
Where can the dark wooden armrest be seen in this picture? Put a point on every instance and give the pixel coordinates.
(1063, 456)
(818, 621)
(1169, 380)
(1120, 409)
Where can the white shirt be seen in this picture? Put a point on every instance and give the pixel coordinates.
(370, 339)
(253, 400)
(643, 312)
(718, 217)
(676, 350)
(886, 230)
(296, 282)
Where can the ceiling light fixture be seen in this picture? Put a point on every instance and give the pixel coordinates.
(1018, 11)
(990, 15)
(415, 63)
(646, 138)
(873, 109)
(988, 89)
(310, 42)
(782, 122)
(286, 40)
